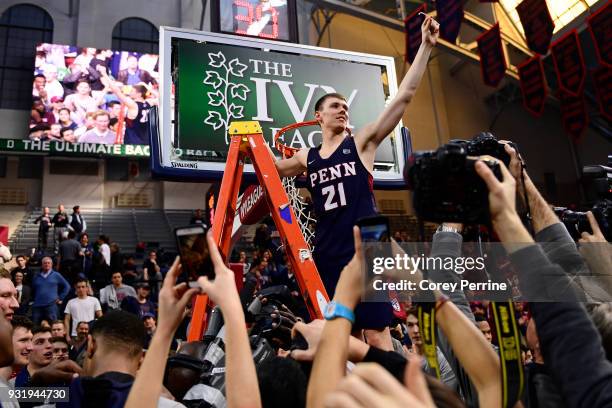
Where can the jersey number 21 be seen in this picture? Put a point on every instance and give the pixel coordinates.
(331, 202)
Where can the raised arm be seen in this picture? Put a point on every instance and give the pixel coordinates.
(172, 302)
(126, 100)
(374, 133)
(242, 388)
(329, 364)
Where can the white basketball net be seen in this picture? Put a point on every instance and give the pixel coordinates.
(300, 208)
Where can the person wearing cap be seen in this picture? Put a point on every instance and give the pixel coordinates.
(141, 304)
(57, 104)
(150, 324)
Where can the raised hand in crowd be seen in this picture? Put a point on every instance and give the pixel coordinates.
(242, 389)
(504, 218)
(173, 301)
(330, 360)
(369, 385)
(597, 253)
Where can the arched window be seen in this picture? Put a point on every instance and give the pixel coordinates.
(135, 34)
(22, 27)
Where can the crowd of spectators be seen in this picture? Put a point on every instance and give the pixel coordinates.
(85, 328)
(90, 95)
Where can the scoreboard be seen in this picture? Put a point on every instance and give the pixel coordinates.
(268, 19)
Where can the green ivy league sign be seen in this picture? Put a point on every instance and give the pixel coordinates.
(218, 84)
(72, 149)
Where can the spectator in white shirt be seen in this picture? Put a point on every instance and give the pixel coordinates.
(53, 87)
(104, 249)
(83, 308)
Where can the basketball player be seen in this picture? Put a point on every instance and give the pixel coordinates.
(136, 120)
(339, 174)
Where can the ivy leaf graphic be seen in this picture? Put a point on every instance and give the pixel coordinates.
(216, 60)
(239, 91)
(235, 111)
(215, 120)
(236, 68)
(215, 98)
(213, 78)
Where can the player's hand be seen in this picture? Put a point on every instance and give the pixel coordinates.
(430, 31)
(222, 290)
(351, 282)
(312, 334)
(173, 300)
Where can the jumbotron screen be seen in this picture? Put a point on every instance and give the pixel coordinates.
(269, 19)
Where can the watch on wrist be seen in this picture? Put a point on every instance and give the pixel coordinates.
(335, 310)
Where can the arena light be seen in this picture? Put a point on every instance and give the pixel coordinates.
(562, 11)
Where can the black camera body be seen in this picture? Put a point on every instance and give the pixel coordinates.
(485, 143)
(577, 222)
(446, 186)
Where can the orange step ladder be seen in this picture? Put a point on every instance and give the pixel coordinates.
(246, 139)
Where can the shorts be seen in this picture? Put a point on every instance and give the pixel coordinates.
(368, 315)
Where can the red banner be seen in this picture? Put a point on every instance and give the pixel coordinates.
(537, 23)
(450, 16)
(573, 114)
(253, 206)
(412, 27)
(533, 85)
(602, 81)
(492, 59)
(600, 25)
(569, 63)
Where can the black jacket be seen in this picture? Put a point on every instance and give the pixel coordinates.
(570, 343)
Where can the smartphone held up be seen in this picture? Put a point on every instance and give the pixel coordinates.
(193, 250)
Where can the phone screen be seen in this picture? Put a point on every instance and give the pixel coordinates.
(193, 248)
(375, 233)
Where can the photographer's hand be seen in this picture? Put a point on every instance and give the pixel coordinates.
(542, 215)
(597, 235)
(504, 218)
(222, 290)
(597, 253)
(242, 389)
(173, 300)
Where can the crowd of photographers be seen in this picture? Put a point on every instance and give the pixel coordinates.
(260, 349)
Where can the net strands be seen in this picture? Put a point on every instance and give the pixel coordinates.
(298, 204)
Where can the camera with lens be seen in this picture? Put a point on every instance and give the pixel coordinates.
(577, 222)
(597, 183)
(485, 143)
(446, 186)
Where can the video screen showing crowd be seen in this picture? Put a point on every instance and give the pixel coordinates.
(90, 95)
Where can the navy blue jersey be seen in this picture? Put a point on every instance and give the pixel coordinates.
(342, 192)
(137, 129)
